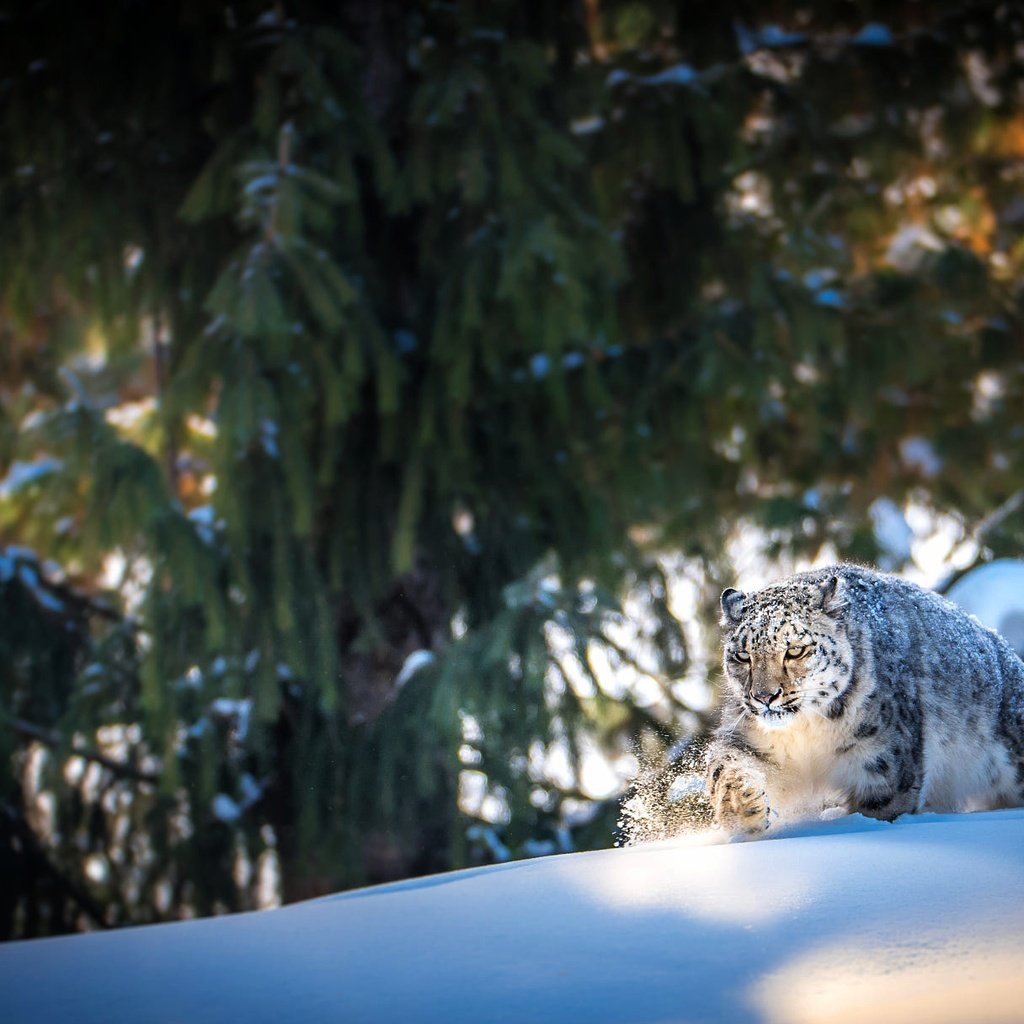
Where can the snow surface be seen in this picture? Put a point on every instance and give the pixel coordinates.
(849, 920)
(994, 594)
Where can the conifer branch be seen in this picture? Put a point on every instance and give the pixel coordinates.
(53, 739)
(627, 658)
(285, 138)
(160, 382)
(30, 842)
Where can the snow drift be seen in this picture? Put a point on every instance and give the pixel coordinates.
(851, 920)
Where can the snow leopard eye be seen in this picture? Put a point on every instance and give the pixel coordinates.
(741, 656)
(796, 651)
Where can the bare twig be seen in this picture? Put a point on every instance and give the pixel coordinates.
(985, 526)
(997, 517)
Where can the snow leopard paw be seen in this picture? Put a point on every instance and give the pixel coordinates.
(740, 802)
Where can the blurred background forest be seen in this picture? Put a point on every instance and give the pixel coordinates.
(388, 389)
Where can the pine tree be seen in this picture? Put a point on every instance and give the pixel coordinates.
(358, 362)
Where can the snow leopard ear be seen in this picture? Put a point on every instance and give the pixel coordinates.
(732, 606)
(832, 597)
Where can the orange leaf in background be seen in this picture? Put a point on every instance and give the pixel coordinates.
(1010, 141)
(980, 223)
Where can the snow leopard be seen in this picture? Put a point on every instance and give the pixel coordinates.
(854, 689)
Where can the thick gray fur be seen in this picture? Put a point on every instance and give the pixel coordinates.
(855, 689)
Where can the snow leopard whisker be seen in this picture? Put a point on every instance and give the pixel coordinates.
(817, 712)
(730, 728)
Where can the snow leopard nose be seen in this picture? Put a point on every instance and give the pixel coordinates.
(766, 697)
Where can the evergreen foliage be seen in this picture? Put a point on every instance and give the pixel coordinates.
(358, 360)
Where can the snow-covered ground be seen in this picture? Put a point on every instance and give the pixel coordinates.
(850, 920)
(994, 592)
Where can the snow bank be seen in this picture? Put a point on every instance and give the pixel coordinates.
(994, 593)
(851, 920)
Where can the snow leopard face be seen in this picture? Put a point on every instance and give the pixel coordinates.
(786, 653)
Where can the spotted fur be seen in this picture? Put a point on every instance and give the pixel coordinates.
(855, 689)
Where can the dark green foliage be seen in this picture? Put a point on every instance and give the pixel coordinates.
(355, 331)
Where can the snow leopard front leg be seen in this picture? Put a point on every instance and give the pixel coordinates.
(737, 783)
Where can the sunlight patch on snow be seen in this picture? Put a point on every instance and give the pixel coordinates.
(930, 978)
(720, 888)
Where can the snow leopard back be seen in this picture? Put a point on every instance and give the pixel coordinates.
(948, 694)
